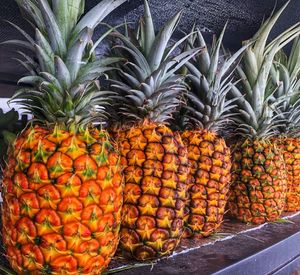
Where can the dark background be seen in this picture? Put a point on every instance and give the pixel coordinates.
(244, 18)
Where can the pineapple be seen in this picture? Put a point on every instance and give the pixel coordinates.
(259, 185)
(62, 185)
(155, 159)
(206, 116)
(285, 75)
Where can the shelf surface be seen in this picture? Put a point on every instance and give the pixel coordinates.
(238, 248)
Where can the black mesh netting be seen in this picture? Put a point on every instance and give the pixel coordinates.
(244, 18)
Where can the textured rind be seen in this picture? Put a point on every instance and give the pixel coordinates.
(156, 174)
(62, 202)
(259, 182)
(291, 154)
(210, 165)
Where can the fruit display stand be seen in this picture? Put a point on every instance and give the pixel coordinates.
(66, 208)
(238, 248)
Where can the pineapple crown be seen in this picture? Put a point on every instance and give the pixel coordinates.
(258, 115)
(285, 77)
(210, 79)
(64, 71)
(147, 84)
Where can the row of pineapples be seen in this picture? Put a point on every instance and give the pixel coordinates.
(167, 104)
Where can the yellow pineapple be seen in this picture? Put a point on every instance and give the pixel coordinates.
(258, 189)
(203, 120)
(62, 185)
(155, 159)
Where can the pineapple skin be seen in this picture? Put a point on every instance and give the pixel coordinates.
(291, 153)
(259, 182)
(62, 202)
(156, 173)
(210, 164)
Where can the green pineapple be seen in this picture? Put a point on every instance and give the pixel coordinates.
(259, 186)
(285, 77)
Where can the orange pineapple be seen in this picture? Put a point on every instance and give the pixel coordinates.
(155, 191)
(203, 120)
(155, 159)
(62, 185)
(210, 162)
